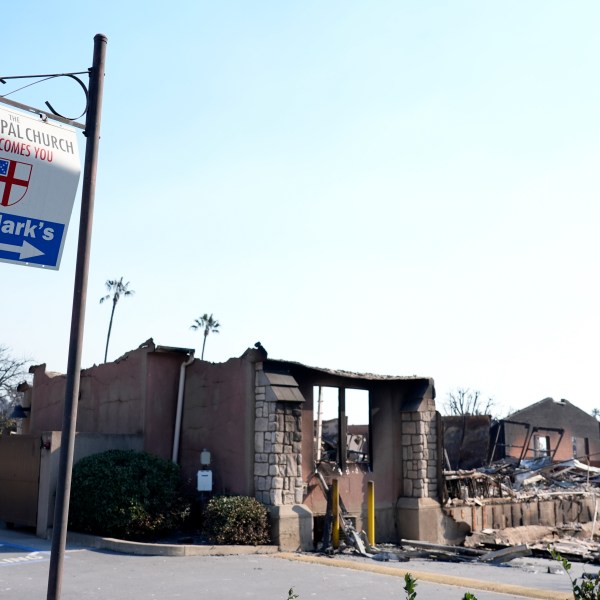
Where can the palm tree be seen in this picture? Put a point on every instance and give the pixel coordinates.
(116, 289)
(208, 324)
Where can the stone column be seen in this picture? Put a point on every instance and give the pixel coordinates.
(419, 454)
(278, 465)
(418, 510)
(277, 448)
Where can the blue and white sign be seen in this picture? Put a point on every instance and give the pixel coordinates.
(39, 174)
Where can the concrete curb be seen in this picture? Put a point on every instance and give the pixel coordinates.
(467, 584)
(145, 549)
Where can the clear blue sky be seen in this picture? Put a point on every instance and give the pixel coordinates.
(387, 186)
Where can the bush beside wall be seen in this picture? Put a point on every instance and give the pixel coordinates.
(126, 494)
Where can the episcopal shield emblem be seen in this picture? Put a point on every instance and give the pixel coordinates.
(14, 180)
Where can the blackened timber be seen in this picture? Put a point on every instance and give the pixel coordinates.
(342, 428)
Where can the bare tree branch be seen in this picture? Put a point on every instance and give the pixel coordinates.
(12, 371)
(464, 401)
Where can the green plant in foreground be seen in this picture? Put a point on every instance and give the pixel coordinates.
(589, 589)
(410, 584)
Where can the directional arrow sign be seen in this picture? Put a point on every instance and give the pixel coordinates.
(25, 250)
(39, 174)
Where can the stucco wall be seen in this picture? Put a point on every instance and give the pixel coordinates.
(109, 398)
(467, 440)
(46, 398)
(161, 387)
(218, 415)
(136, 395)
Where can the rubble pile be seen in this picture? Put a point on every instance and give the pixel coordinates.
(530, 487)
(572, 540)
(537, 478)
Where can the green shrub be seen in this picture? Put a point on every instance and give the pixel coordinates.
(126, 494)
(588, 589)
(236, 520)
(410, 585)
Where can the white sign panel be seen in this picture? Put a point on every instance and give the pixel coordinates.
(39, 174)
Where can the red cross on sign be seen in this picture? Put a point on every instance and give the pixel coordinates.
(14, 180)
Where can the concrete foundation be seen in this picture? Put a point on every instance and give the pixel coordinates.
(419, 519)
(292, 527)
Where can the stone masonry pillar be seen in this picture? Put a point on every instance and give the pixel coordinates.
(278, 465)
(419, 514)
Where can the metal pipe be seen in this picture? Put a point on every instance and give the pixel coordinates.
(319, 449)
(335, 512)
(63, 489)
(371, 512)
(178, 415)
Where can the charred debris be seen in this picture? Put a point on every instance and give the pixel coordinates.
(521, 489)
(515, 480)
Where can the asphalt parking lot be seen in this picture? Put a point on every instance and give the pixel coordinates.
(95, 573)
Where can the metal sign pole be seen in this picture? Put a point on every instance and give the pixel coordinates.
(92, 132)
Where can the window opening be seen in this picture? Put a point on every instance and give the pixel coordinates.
(581, 447)
(357, 432)
(541, 445)
(352, 405)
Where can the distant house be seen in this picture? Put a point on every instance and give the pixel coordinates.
(557, 429)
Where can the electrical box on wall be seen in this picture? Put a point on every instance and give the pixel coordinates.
(205, 481)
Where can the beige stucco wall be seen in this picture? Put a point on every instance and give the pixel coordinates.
(218, 415)
(135, 395)
(110, 398)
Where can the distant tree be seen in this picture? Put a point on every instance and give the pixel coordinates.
(207, 324)
(12, 372)
(7, 406)
(116, 289)
(464, 401)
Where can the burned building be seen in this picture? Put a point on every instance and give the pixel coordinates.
(536, 468)
(256, 416)
(556, 429)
